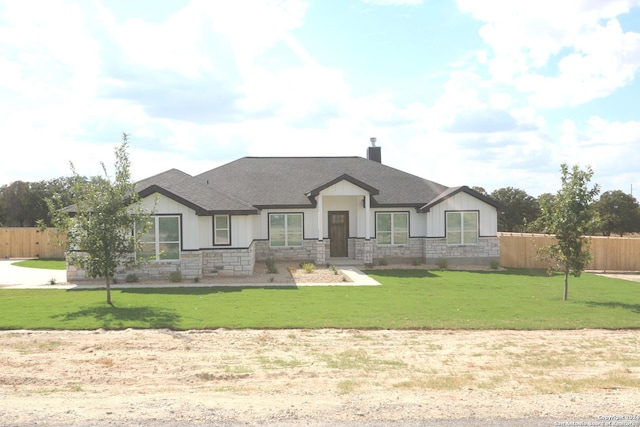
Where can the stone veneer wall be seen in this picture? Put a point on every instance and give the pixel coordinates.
(486, 251)
(192, 265)
(189, 265)
(414, 250)
(240, 262)
(195, 264)
(305, 252)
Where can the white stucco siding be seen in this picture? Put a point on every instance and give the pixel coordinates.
(190, 231)
(488, 216)
(205, 231)
(344, 188)
(242, 230)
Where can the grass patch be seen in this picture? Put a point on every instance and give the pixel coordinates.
(359, 359)
(407, 299)
(46, 263)
(612, 380)
(279, 363)
(438, 382)
(347, 386)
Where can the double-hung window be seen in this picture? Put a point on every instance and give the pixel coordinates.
(392, 228)
(285, 229)
(162, 239)
(221, 230)
(462, 228)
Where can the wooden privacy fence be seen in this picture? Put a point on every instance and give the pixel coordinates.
(29, 242)
(520, 250)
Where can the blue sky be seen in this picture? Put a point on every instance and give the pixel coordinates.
(480, 93)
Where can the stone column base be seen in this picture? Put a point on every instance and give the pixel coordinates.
(321, 258)
(368, 252)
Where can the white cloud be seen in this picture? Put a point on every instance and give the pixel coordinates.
(562, 53)
(394, 2)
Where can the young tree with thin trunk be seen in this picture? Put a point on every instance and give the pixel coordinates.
(100, 226)
(570, 215)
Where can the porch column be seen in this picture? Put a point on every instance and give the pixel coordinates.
(368, 246)
(321, 257)
(367, 217)
(320, 216)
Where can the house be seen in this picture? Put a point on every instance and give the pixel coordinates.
(319, 209)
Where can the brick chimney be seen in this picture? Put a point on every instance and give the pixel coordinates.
(374, 153)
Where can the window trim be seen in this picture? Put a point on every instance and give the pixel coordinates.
(215, 230)
(286, 234)
(392, 232)
(156, 222)
(462, 231)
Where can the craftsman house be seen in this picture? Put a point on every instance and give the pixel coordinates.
(319, 209)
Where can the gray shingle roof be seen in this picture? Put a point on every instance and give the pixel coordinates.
(251, 183)
(184, 188)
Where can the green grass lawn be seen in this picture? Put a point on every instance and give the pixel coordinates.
(514, 299)
(48, 263)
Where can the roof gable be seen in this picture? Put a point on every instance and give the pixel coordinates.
(455, 190)
(344, 177)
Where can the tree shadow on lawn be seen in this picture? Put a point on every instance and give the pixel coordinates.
(113, 317)
(419, 274)
(633, 307)
(201, 290)
(409, 273)
(518, 272)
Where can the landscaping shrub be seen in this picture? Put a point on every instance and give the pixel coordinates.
(131, 278)
(272, 268)
(308, 267)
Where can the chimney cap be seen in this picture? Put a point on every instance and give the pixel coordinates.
(373, 141)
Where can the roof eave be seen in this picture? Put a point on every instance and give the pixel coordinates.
(152, 189)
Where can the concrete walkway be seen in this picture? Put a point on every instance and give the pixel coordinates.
(22, 276)
(13, 277)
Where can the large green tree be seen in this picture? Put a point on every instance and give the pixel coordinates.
(569, 216)
(23, 204)
(619, 213)
(521, 209)
(101, 225)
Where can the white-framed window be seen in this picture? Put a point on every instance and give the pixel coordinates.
(221, 230)
(462, 228)
(162, 240)
(392, 228)
(285, 229)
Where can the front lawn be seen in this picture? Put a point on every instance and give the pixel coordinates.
(514, 299)
(47, 263)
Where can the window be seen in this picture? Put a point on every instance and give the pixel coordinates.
(462, 228)
(285, 229)
(392, 228)
(162, 240)
(221, 228)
